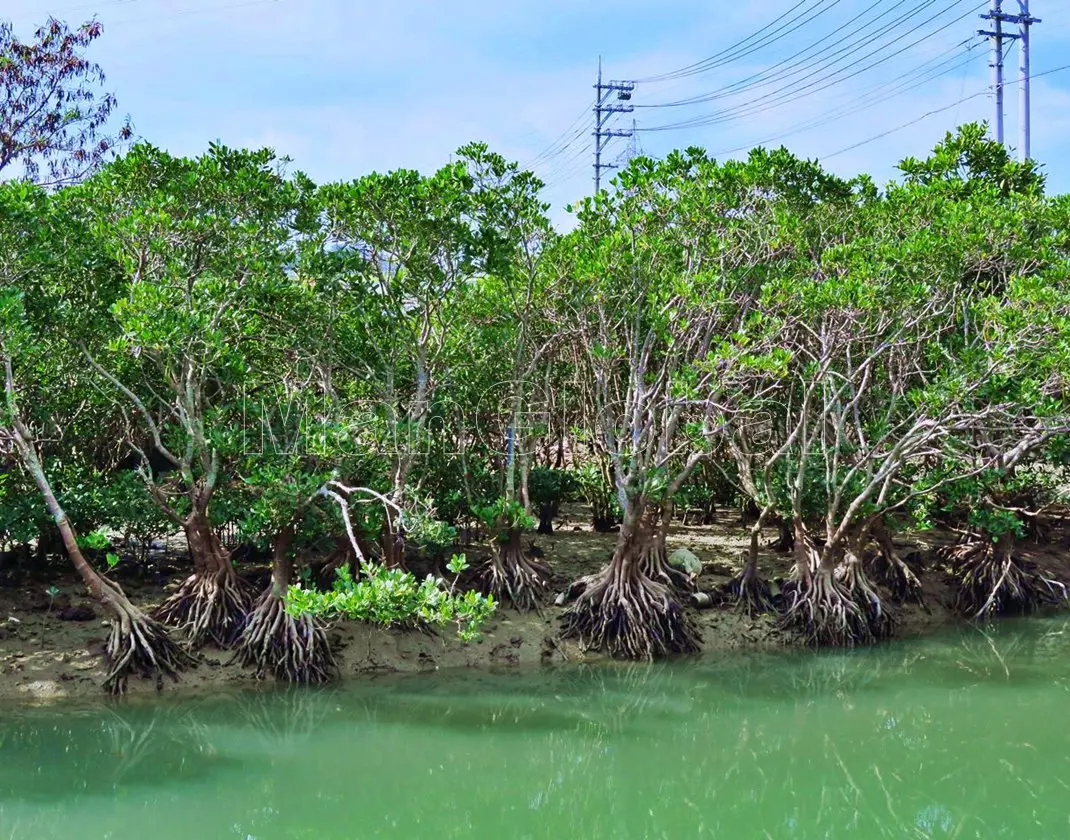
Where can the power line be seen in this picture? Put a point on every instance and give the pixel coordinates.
(765, 76)
(928, 114)
(794, 92)
(603, 111)
(560, 143)
(873, 97)
(740, 49)
(56, 13)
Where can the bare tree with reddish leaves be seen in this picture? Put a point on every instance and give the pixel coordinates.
(54, 115)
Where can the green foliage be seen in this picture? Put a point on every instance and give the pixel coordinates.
(505, 516)
(395, 598)
(595, 487)
(836, 352)
(95, 540)
(548, 486)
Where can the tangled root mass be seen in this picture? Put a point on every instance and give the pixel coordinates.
(993, 581)
(629, 616)
(512, 576)
(140, 646)
(207, 608)
(290, 649)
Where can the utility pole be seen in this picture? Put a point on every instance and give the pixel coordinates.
(995, 15)
(1024, 22)
(602, 112)
(998, 35)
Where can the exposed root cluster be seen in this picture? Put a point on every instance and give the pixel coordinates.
(139, 645)
(889, 570)
(896, 575)
(511, 575)
(852, 577)
(653, 565)
(207, 608)
(835, 604)
(993, 581)
(629, 616)
(289, 649)
(825, 612)
(749, 592)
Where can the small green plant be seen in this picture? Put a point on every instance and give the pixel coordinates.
(504, 515)
(51, 592)
(395, 598)
(94, 540)
(458, 563)
(99, 541)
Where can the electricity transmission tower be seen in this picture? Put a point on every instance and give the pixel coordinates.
(998, 35)
(634, 149)
(602, 112)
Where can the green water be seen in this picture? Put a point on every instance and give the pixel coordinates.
(965, 736)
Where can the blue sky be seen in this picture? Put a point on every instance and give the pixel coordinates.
(348, 87)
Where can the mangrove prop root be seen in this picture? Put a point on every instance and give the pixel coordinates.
(291, 649)
(139, 645)
(826, 612)
(513, 576)
(749, 593)
(896, 575)
(992, 581)
(889, 570)
(207, 607)
(879, 621)
(654, 564)
(629, 616)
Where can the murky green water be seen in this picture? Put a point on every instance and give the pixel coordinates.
(966, 736)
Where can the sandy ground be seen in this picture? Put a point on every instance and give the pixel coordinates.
(44, 657)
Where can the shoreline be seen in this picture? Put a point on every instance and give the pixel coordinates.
(44, 658)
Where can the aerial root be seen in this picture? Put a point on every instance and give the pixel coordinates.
(896, 575)
(879, 621)
(207, 608)
(629, 617)
(291, 649)
(891, 571)
(827, 612)
(749, 593)
(653, 564)
(993, 581)
(140, 645)
(513, 576)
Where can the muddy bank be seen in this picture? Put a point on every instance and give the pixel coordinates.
(50, 643)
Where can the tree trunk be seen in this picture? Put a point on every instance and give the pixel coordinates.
(392, 544)
(626, 609)
(137, 644)
(749, 590)
(273, 641)
(603, 519)
(547, 513)
(211, 604)
(785, 540)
